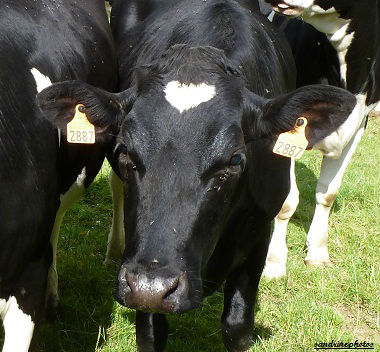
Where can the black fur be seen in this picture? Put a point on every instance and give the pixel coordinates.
(363, 55)
(55, 38)
(202, 186)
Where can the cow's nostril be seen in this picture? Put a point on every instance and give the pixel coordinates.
(128, 281)
(172, 289)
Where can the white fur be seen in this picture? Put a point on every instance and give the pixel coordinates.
(271, 16)
(70, 197)
(18, 326)
(337, 148)
(275, 265)
(326, 21)
(116, 237)
(330, 179)
(300, 3)
(3, 304)
(184, 97)
(42, 81)
(333, 145)
(341, 40)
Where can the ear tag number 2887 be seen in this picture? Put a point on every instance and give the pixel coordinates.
(292, 144)
(79, 129)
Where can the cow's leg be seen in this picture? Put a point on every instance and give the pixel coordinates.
(18, 327)
(151, 332)
(67, 200)
(116, 237)
(239, 296)
(329, 182)
(52, 282)
(275, 265)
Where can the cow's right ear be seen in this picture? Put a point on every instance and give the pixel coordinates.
(103, 109)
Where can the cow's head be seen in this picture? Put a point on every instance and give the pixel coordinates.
(181, 150)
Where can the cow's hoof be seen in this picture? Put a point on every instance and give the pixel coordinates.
(274, 270)
(318, 263)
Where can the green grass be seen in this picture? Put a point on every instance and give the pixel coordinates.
(309, 305)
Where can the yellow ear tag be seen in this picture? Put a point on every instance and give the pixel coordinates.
(79, 129)
(292, 144)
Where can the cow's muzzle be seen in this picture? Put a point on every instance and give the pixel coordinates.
(145, 292)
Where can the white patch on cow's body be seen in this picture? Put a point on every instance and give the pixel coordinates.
(299, 3)
(341, 41)
(42, 81)
(330, 179)
(271, 16)
(338, 149)
(116, 237)
(70, 197)
(333, 145)
(3, 303)
(275, 265)
(18, 326)
(329, 22)
(326, 21)
(184, 97)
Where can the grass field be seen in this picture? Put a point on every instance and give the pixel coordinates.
(309, 305)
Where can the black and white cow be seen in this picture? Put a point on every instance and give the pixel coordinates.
(343, 50)
(42, 42)
(207, 86)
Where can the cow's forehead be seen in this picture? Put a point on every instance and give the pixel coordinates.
(202, 122)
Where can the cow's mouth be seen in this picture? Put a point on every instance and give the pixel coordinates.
(286, 9)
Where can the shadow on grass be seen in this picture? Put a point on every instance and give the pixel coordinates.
(85, 284)
(200, 330)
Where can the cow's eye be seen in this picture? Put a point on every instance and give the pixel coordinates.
(238, 159)
(124, 161)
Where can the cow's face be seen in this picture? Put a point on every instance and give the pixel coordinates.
(181, 153)
(310, 8)
(181, 134)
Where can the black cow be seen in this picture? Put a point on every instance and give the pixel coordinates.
(342, 48)
(206, 89)
(40, 173)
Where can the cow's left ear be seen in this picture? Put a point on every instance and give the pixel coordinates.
(103, 109)
(325, 107)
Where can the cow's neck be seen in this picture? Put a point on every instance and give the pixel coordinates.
(357, 43)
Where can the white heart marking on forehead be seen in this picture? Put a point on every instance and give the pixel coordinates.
(184, 97)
